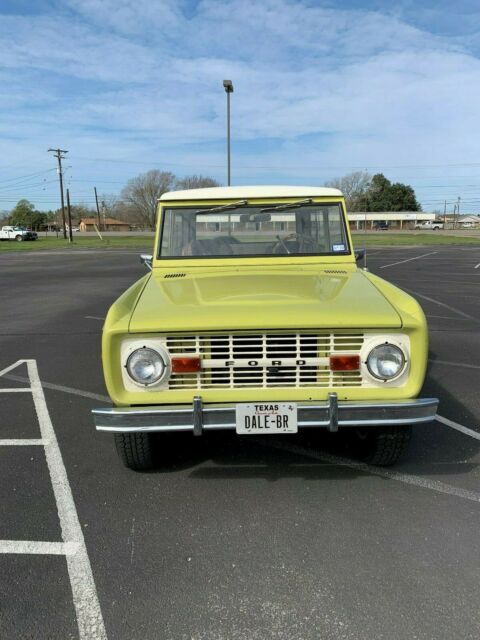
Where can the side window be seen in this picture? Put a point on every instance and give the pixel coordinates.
(166, 247)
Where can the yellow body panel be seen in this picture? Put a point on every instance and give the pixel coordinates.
(324, 293)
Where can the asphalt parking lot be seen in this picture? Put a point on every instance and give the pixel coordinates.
(229, 539)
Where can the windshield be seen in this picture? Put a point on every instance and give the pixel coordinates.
(316, 229)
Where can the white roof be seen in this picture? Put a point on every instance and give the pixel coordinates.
(244, 193)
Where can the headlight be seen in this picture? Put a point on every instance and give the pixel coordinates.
(386, 361)
(146, 366)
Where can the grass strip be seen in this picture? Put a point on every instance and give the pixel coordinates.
(385, 239)
(109, 242)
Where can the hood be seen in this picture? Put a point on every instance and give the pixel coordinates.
(261, 299)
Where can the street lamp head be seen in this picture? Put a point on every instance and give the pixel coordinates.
(228, 85)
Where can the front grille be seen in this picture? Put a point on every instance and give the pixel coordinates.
(243, 360)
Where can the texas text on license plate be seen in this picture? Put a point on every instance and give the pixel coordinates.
(274, 417)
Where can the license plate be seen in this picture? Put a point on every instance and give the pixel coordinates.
(275, 417)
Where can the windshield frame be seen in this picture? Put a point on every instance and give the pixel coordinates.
(253, 203)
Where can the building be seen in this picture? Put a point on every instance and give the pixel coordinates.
(394, 219)
(107, 224)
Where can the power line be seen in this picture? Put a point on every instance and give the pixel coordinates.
(28, 175)
(26, 187)
(281, 167)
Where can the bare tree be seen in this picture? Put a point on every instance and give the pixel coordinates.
(143, 192)
(354, 187)
(196, 182)
(112, 207)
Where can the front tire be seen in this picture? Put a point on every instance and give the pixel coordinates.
(383, 447)
(19, 238)
(135, 450)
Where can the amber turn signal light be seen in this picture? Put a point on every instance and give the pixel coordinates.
(186, 365)
(345, 363)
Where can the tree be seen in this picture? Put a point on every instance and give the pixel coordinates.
(196, 182)
(354, 187)
(24, 215)
(143, 192)
(382, 195)
(80, 211)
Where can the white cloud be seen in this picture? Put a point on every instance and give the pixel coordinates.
(62, 47)
(130, 18)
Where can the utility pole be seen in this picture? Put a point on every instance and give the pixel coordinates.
(70, 238)
(104, 209)
(445, 215)
(60, 155)
(458, 209)
(98, 209)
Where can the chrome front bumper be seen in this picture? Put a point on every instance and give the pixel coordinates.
(329, 414)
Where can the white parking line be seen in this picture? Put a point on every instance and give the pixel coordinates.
(11, 366)
(85, 599)
(16, 390)
(405, 478)
(38, 547)
(455, 364)
(458, 427)
(442, 304)
(94, 318)
(60, 387)
(24, 442)
(408, 260)
(477, 266)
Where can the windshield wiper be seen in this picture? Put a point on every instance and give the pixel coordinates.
(289, 205)
(225, 207)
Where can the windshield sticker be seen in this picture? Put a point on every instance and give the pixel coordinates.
(338, 247)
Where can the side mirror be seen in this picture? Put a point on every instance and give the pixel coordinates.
(361, 254)
(146, 259)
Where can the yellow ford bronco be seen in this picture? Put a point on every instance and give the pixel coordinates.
(255, 317)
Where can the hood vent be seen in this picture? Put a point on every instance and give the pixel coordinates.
(335, 271)
(175, 275)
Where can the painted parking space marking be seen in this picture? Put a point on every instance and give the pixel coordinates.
(12, 366)
(94, 318)
(23, 442)
(424, 255)
(85, 598)
(36, 547)
(442, 304)
(405, 478)
(64, 389)
(458, 427)
(477, 266)
(16, 390)
(455, 364)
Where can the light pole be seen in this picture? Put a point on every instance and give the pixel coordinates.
(228, 86)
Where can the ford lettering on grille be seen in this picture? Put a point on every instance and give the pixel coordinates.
(261, 360)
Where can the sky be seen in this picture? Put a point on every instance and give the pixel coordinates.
(320, 89)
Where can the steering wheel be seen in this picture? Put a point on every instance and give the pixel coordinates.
(303, 242)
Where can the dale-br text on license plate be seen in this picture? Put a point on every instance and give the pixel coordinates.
(274, 417)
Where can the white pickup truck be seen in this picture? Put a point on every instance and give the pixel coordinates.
(17, 233)
(429, 224)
